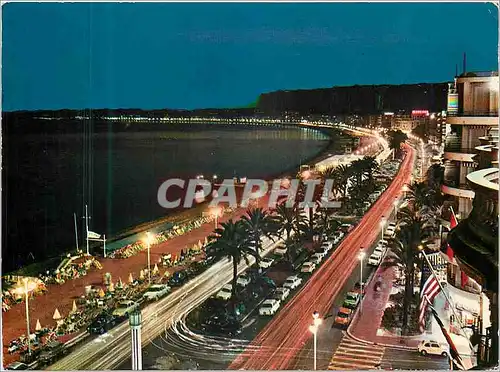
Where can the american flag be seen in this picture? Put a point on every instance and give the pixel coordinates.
(430, 290)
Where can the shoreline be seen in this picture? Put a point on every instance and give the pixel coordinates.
(183, 215)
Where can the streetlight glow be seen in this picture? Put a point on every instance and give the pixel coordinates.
(314, 330)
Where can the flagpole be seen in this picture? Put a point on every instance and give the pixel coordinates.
(76, 232)
(104, 238)
(87, 228)
(447, 299)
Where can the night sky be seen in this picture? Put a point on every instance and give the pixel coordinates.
(194, 55)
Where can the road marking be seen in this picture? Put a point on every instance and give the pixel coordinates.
(351, 354)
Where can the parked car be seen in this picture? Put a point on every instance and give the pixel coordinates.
(125, 307)
(351, 300)
(323, 250)
(343, 317)
(225, 293)
(156, 291)
(178, 279)
(383, 242)
(374, 259)
(281, 293)
(292, 282)
(433, 348)
(316, 258)
(103, 323)
(308, 267)
(269, 307)
(379, 249)
(52, 351)
(16, 366)
(243, 280)
(266, 262)
(280, 250)
(222, 324)
(346, 227)
(328, 244)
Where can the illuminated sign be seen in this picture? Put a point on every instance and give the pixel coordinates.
(452, 102)
(420, 113)
(389, 113)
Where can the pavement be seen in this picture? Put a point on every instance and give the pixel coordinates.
(278, 343)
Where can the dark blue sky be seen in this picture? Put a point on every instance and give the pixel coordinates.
(192, 55)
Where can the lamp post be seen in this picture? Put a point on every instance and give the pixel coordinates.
(148, 243)
(314, 330)
(382, 225)
(26, 291)
(361, 257)
(396, 208)
(405, 190)
(215, 213)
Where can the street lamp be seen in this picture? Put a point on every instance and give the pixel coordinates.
(314, 330)
(382, 225)
(396, 208)
(361, 257)
(26, 291)
(215, 214)
(148, 243)
(405, 190)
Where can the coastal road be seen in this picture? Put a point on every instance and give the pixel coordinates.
(110, 350)
(277, 344)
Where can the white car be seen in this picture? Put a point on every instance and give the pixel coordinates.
(281, 250)
(156, 291)
(269, 307)
(389, 232)
(374, 259)
(316, 258)
(225, 293)
(383, 242)
(125, 307)
(292, 282)
(327, 244)
(308, 267)
(266, 262)
(433, 348)
(379, 250)
(243, 280)
(281, 293)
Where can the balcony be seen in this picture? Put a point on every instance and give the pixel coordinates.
(456, 153)
(454, 188)
(474, 113)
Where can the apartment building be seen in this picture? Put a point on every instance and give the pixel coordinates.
(472, 114)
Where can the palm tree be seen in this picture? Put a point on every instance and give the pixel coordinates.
(420, 195)
(333, 174)
(413, 230)
(258, 223)
(345, 174)
(370, 165)
(396, 138)
(288, 220)
(231, 241)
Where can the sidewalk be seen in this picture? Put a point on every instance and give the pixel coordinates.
(366, 322)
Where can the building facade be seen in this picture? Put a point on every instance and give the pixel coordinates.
(472, 113)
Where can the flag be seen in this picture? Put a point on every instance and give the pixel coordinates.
(454, 355)
(463, 279)
(93, 235)
(453, 224)
(429, 291)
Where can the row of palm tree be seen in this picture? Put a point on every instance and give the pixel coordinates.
(239, 240)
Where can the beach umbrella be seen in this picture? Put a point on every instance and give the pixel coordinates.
(57, 315)
(130, 278)
(141, 275)
(200, 244)
(119, 285)
(75, 309)
(155, 269)
(38, 326)
(111, 287)
(101, 293)
(167, 274)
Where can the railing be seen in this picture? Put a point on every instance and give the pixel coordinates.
(461, 150)
(479, 74)
(456, 184)
(471, 113)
